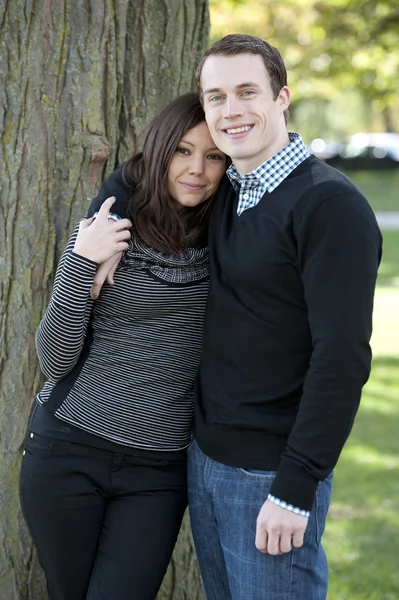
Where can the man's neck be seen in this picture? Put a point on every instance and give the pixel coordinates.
(245, 166)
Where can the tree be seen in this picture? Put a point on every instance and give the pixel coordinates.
(78, 81)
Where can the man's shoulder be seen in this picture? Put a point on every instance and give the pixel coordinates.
(319, 175)
(329, 197)
(318, 182)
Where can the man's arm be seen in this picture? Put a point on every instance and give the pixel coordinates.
(339, 250)
(115, 186)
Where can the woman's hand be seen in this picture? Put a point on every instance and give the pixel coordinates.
(105, 272)
(102, 238)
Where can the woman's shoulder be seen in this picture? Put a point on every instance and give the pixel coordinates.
(114, 185)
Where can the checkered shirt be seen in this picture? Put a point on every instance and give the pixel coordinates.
(269, 175)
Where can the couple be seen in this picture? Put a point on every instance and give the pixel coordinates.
(278, 349)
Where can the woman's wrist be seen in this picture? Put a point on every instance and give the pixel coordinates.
(113, 216)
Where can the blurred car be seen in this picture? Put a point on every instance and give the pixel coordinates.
(367, 151)
(324, 149)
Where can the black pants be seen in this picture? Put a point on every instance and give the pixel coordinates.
(104, 524)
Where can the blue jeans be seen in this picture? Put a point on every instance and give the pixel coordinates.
(224, 503)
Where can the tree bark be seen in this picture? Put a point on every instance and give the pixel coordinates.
(79, 79)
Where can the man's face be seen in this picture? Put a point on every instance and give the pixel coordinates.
(244, 120)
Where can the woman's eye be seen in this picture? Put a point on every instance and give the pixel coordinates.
(215, 157)
(181, 150)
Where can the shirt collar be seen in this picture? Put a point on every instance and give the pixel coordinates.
(275, 169)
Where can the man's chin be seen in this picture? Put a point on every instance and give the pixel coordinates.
(236, 148)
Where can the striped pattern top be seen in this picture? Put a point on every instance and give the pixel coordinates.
(135, 383)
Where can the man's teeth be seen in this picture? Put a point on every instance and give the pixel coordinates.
(239, 129)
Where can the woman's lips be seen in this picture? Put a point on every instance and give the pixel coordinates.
(192, 187)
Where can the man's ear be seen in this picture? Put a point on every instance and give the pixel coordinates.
(284, 98)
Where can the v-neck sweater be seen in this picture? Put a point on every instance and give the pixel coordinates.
(287, 328)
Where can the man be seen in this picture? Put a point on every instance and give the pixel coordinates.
(294, 253)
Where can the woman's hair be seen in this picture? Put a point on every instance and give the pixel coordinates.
(152, 210)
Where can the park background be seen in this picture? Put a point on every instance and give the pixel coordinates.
(342, 59)
(78, 82)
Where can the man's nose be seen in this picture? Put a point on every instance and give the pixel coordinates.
(232, 107)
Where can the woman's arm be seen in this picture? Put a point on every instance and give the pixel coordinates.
(61, 332)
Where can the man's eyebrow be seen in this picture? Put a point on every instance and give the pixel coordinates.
(238, 87)
(247, 84)
(211, 91)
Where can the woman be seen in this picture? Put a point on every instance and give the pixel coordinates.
(103, 479)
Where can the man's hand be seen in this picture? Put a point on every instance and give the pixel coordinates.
(105, 272)
(279, 530)
(101, 239)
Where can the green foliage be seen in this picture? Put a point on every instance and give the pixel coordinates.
(366, 32)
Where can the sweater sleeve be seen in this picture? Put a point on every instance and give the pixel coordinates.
(339, 250)
(61, 332)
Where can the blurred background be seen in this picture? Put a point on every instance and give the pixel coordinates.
(342, 58)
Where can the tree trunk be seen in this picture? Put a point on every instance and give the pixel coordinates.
(78, 81)
(389, 120)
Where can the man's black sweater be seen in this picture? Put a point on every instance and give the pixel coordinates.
(287, 328)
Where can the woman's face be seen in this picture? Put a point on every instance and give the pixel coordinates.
(196, 168)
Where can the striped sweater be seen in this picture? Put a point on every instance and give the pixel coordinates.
(123, 367)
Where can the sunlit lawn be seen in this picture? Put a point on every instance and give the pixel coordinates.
(381, 188)
(362, 534)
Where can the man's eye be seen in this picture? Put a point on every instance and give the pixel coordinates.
(215, 98)
(248, 92)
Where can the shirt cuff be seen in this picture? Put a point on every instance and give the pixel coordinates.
(294, 509)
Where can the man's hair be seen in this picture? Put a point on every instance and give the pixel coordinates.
(239, 43)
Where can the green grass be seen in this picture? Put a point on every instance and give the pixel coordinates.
(388, 274)
(362, 533)
(381, 188)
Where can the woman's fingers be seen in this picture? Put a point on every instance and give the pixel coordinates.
(105, 209)
(101, 238)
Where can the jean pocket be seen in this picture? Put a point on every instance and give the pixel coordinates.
(36, 445)
(257, 474)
